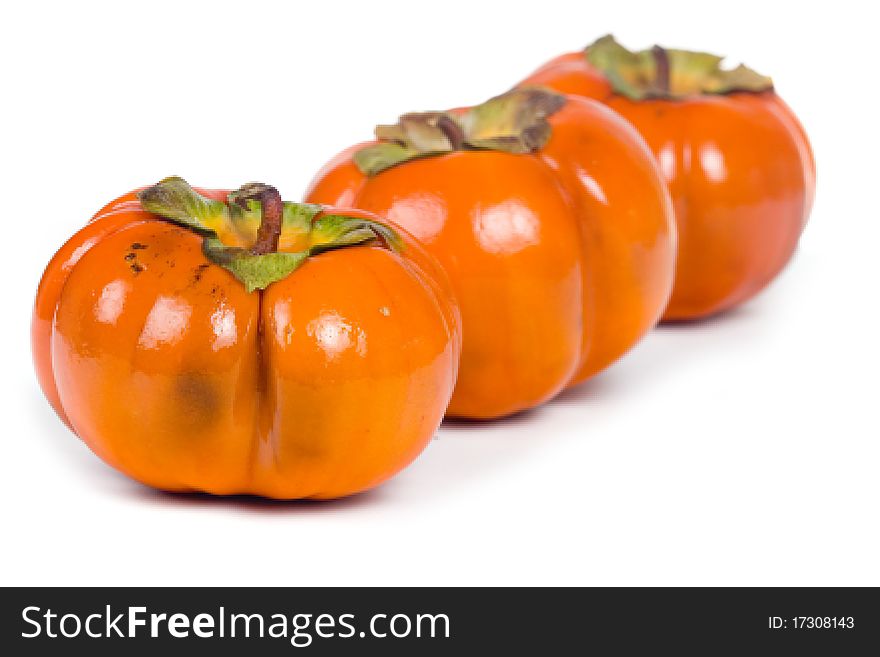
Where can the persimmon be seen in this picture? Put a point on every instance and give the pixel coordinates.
(552, 220)
(234, 343)
(738, 163)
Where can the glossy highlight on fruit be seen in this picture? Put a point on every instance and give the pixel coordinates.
(552, 220)
(736, 159)
(231, 343)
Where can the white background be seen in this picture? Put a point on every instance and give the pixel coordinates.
(742, 450)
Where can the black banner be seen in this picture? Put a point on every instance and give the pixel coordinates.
(439, 621)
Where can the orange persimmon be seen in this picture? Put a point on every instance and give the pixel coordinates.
(232, 343)
(552, 220)
(738, 162)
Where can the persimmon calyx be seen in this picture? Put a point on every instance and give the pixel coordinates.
(514, 122)
(669, 73)
(256, 236)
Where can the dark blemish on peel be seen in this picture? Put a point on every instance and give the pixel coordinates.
(196, 401)
(137, 246)
(197, 275)
(129, 257)
(136, 268)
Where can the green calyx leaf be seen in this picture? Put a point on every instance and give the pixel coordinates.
(298, 217)
(418, 134)
(238, 221)
(514, 122)
(669, 73)
(332, 231)
(174, 199)
(256, 272)
(426, 132)
(378, 157)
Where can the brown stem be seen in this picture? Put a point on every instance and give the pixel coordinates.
(661, 63)
(272, 210)
(453, 132)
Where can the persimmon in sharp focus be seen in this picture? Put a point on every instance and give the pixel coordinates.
(552, 220)
(238, 344)
(738, 163)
